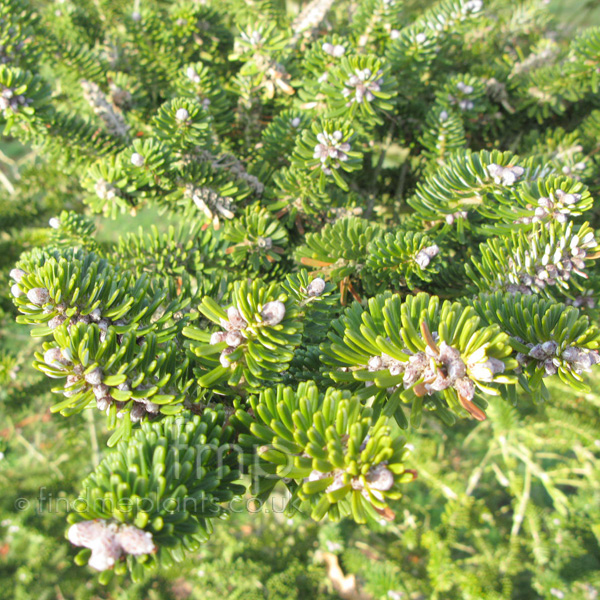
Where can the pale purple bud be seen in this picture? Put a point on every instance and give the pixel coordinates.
(273, 313)
(316, 287)
(38, 296)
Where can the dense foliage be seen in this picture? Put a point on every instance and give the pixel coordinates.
(355, 253)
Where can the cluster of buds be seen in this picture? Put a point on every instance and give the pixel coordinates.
(585, 300)
(536, 60)
(209, 202)
(465, 90)
(192, 75)
(424, 256)
(105, 190)
(6, 56)
(235, 325)
(505, 175)
(461, 214)
(377, 480)
(253, 38)
(16, 275)
(578, 167)
(233, 336)
(441, 367)
(385, 361)
(532, 273)
(361, 86)
(448, 22)
(109, 541)
(472, 6)
(550, 356)
(11, 102)
(78, 381)
(331, 150)
(558, 206)
(41, 297)
(336, 51)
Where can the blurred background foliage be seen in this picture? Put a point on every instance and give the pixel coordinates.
(505, 509)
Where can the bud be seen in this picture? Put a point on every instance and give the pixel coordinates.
(56, 321)
(234, 339)
(550, 348)
(375, 363)
(86, 532)
(422, 260)
(465, 387)
(537, 352)
(137, 412)
(431, 251)
(103, 403)
(217, 337)
(54, 357)
(235, 318)
(182, 114)
(71, 383)
(496, 365)
(38, 296)
(413, 372)
(94, 377)
(101, 390)
(17, 274)
(137, 160)
(338, 51)
(224, 358)
(316, 287)
(135, 541)
(550, 367)
(273, 313)
(151, 407)
(380, 478)
(338, 482)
